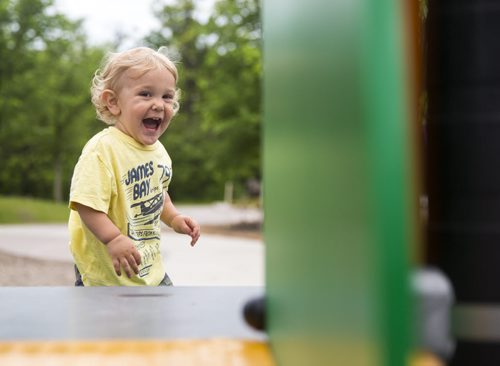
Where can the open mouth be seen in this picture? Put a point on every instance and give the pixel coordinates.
(151, 123)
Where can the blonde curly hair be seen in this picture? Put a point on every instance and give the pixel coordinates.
(142, 59)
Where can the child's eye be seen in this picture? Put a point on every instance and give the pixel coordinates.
(145, 93)
(168, 97)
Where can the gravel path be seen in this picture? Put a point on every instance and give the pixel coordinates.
(19, 271)
(219, 218)
(23, 271)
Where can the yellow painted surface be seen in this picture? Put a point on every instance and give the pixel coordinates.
(425, 359)
(218, 352)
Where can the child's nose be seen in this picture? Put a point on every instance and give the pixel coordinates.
(157, 107)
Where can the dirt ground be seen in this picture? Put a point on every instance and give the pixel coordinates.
(22, 271)
(19, 271)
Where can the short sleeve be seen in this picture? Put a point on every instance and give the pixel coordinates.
(167, 178)
(92, 184)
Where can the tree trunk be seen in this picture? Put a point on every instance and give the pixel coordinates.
(57, 188)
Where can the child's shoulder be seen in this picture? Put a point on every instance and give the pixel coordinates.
(99, 140)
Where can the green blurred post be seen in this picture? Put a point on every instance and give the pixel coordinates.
(337, 167)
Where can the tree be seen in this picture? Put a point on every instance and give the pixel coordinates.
(216, 136)
(185, 140)
(44, 109)
(233, 69)
(68, 116)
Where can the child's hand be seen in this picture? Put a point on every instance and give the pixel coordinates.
(186, 225)
(124, 254)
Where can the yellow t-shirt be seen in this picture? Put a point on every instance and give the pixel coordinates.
(126, 180)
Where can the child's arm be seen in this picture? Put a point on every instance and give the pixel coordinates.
(120, 248)
(180, 223)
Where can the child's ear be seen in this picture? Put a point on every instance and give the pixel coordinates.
(110, 98)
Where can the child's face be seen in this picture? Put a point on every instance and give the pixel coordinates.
(144, 105)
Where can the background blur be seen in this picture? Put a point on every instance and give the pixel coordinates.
(47, 61)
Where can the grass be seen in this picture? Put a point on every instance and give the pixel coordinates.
(20, 210)
(23, 210)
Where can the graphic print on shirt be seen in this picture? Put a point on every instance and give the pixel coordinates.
(145, 215)
(144, 187)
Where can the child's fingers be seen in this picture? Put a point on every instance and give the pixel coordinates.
(192, 224)
(190, 227)
(116, 265)
(137, 256)
(194, 230)
(126, 267)
(195, 235)
(185, 228)
(133, 264)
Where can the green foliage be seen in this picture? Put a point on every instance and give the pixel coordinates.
(45, 112)
(18, 210)
(233, 72)
(46, 115)
(216, 136)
